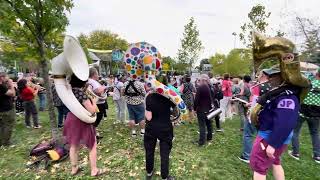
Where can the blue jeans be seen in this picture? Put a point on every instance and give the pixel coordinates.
(313, 124)
(136, 112)
(62, 114)
(42, 101)
(121, 108)
(248, 133)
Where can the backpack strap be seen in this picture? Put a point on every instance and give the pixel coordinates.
(275, 93)
(136, 92)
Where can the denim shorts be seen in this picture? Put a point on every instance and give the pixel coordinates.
(136, 112)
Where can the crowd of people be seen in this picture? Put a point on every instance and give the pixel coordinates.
(151, 112)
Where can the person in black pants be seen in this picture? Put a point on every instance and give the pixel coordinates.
(202, 105)
(158, 126)
(214, 94)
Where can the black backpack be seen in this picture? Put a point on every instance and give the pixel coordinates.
(214, 95)
(131, 94)
(216, 91)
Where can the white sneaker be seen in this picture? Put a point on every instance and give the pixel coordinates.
(294, 156)
(316, 159)
(133, 134)
(37, 127)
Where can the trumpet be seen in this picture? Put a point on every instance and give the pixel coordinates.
(33, 85)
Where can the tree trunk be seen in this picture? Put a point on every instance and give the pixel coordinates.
(47, 85)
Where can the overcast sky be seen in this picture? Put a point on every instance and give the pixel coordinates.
(161, 22)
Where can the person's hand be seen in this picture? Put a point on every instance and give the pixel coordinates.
(110, 93)
(247, 105)
(94, 100)
(10, 83)
(270, 152)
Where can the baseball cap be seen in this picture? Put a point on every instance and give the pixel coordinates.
(271, 71)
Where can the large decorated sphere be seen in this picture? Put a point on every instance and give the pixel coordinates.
(142, 58)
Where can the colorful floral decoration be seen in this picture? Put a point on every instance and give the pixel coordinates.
(143, 62)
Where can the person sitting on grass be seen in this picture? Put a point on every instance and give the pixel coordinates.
(158, 126)
(77, 132)
(28, 95)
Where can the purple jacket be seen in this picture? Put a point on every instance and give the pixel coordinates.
(278, 119)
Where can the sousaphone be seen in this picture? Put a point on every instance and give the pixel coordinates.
(71, 61)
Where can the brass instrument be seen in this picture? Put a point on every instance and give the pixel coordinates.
(284, 51)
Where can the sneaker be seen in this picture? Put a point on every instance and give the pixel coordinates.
(294, 156)
(37, 127)
(219, 130)
(142, 134)
(142, 131)
(241, 158)
(28, 126)
(133, 134)
(316, 159)
(60, 126)
(169, 178)
(149, 176)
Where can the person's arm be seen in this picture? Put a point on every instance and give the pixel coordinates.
(148, 113)
(197, 99)
(181, 88)
(11, 91)
(90, 105)
(142, 90)
(241, 93)
(35, 91)
(100, 90)
(284, 121)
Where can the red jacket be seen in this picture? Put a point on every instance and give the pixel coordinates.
(27, 94)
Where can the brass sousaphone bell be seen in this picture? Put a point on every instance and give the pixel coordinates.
(283, 50)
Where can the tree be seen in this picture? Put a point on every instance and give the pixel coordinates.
(190, 46)
(309, 30)
(38, 22)
(168, 61)
(257, 21)
(103, 40)
(235, 62)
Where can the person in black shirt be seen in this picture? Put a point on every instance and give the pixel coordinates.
(7, 112)
(158, 126)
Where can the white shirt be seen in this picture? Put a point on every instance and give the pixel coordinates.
(117, 90)
(95, 85)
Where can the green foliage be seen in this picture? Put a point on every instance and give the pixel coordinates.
(103, 40)
(190, 46)
(258, 17)
(37, 23)
(309, 30)
(236, 63)
(30, 23)
(167, 60)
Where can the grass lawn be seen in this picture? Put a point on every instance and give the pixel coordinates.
(124, 156)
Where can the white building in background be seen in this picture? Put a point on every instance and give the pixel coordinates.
(207, 67)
